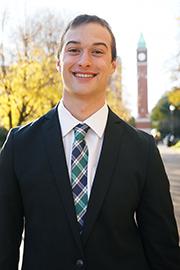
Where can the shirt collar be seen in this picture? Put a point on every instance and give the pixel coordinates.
(97, 121)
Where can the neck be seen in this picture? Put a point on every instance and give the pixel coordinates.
(81, 109)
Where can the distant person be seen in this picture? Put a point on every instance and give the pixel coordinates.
(90, 191)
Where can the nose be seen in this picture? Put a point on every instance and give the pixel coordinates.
(84, 60)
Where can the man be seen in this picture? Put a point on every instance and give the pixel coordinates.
(90, 191)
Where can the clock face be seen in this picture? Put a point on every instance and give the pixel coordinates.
(141, 56)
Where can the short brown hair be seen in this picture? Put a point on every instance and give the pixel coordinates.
(85, 19)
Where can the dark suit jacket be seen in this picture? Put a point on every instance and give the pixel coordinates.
(129, 225)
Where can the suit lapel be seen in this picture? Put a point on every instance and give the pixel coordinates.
(55, 149)
(105, 169)
(106, 166)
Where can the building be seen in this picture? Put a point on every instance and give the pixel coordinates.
(143, 119)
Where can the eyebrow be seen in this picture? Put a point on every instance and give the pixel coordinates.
(94, 44)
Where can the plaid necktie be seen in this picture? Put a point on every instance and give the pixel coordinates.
(79, 162)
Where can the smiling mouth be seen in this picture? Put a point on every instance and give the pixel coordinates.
(84, 75)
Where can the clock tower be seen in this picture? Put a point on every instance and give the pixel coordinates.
(143, 120)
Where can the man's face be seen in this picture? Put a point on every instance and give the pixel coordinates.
(86, 61)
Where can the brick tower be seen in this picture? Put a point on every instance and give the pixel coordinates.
(143, 120)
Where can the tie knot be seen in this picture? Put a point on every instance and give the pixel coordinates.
(80, 131)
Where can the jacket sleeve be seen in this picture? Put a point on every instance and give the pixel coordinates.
(155, 216)
(11, 210)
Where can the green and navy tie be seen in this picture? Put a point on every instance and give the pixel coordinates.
(79, 168)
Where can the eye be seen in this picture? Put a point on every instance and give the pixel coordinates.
(97, 52)
(73, 51)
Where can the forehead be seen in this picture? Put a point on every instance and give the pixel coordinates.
(89, 33)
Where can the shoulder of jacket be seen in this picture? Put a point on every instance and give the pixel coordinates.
(132, 132)
(20, 130)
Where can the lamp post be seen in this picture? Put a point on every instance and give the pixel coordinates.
(172, 109)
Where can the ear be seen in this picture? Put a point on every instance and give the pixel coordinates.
(114, 65)
(58, 66)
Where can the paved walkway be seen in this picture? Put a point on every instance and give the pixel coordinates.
(171, 158)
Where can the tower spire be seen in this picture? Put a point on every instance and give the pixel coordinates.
(141, 42)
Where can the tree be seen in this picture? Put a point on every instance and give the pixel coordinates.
(174, 94)
(115, 92)
(30, 85)
(31, 90)
(174, 97)
(162, 117)
(3, 134)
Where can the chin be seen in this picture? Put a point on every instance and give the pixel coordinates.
(83, 92)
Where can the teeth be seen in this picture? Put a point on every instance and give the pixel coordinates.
(80, 75)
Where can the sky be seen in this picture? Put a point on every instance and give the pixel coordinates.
(156, 19)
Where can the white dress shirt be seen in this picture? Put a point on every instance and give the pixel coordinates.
(94, 138)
